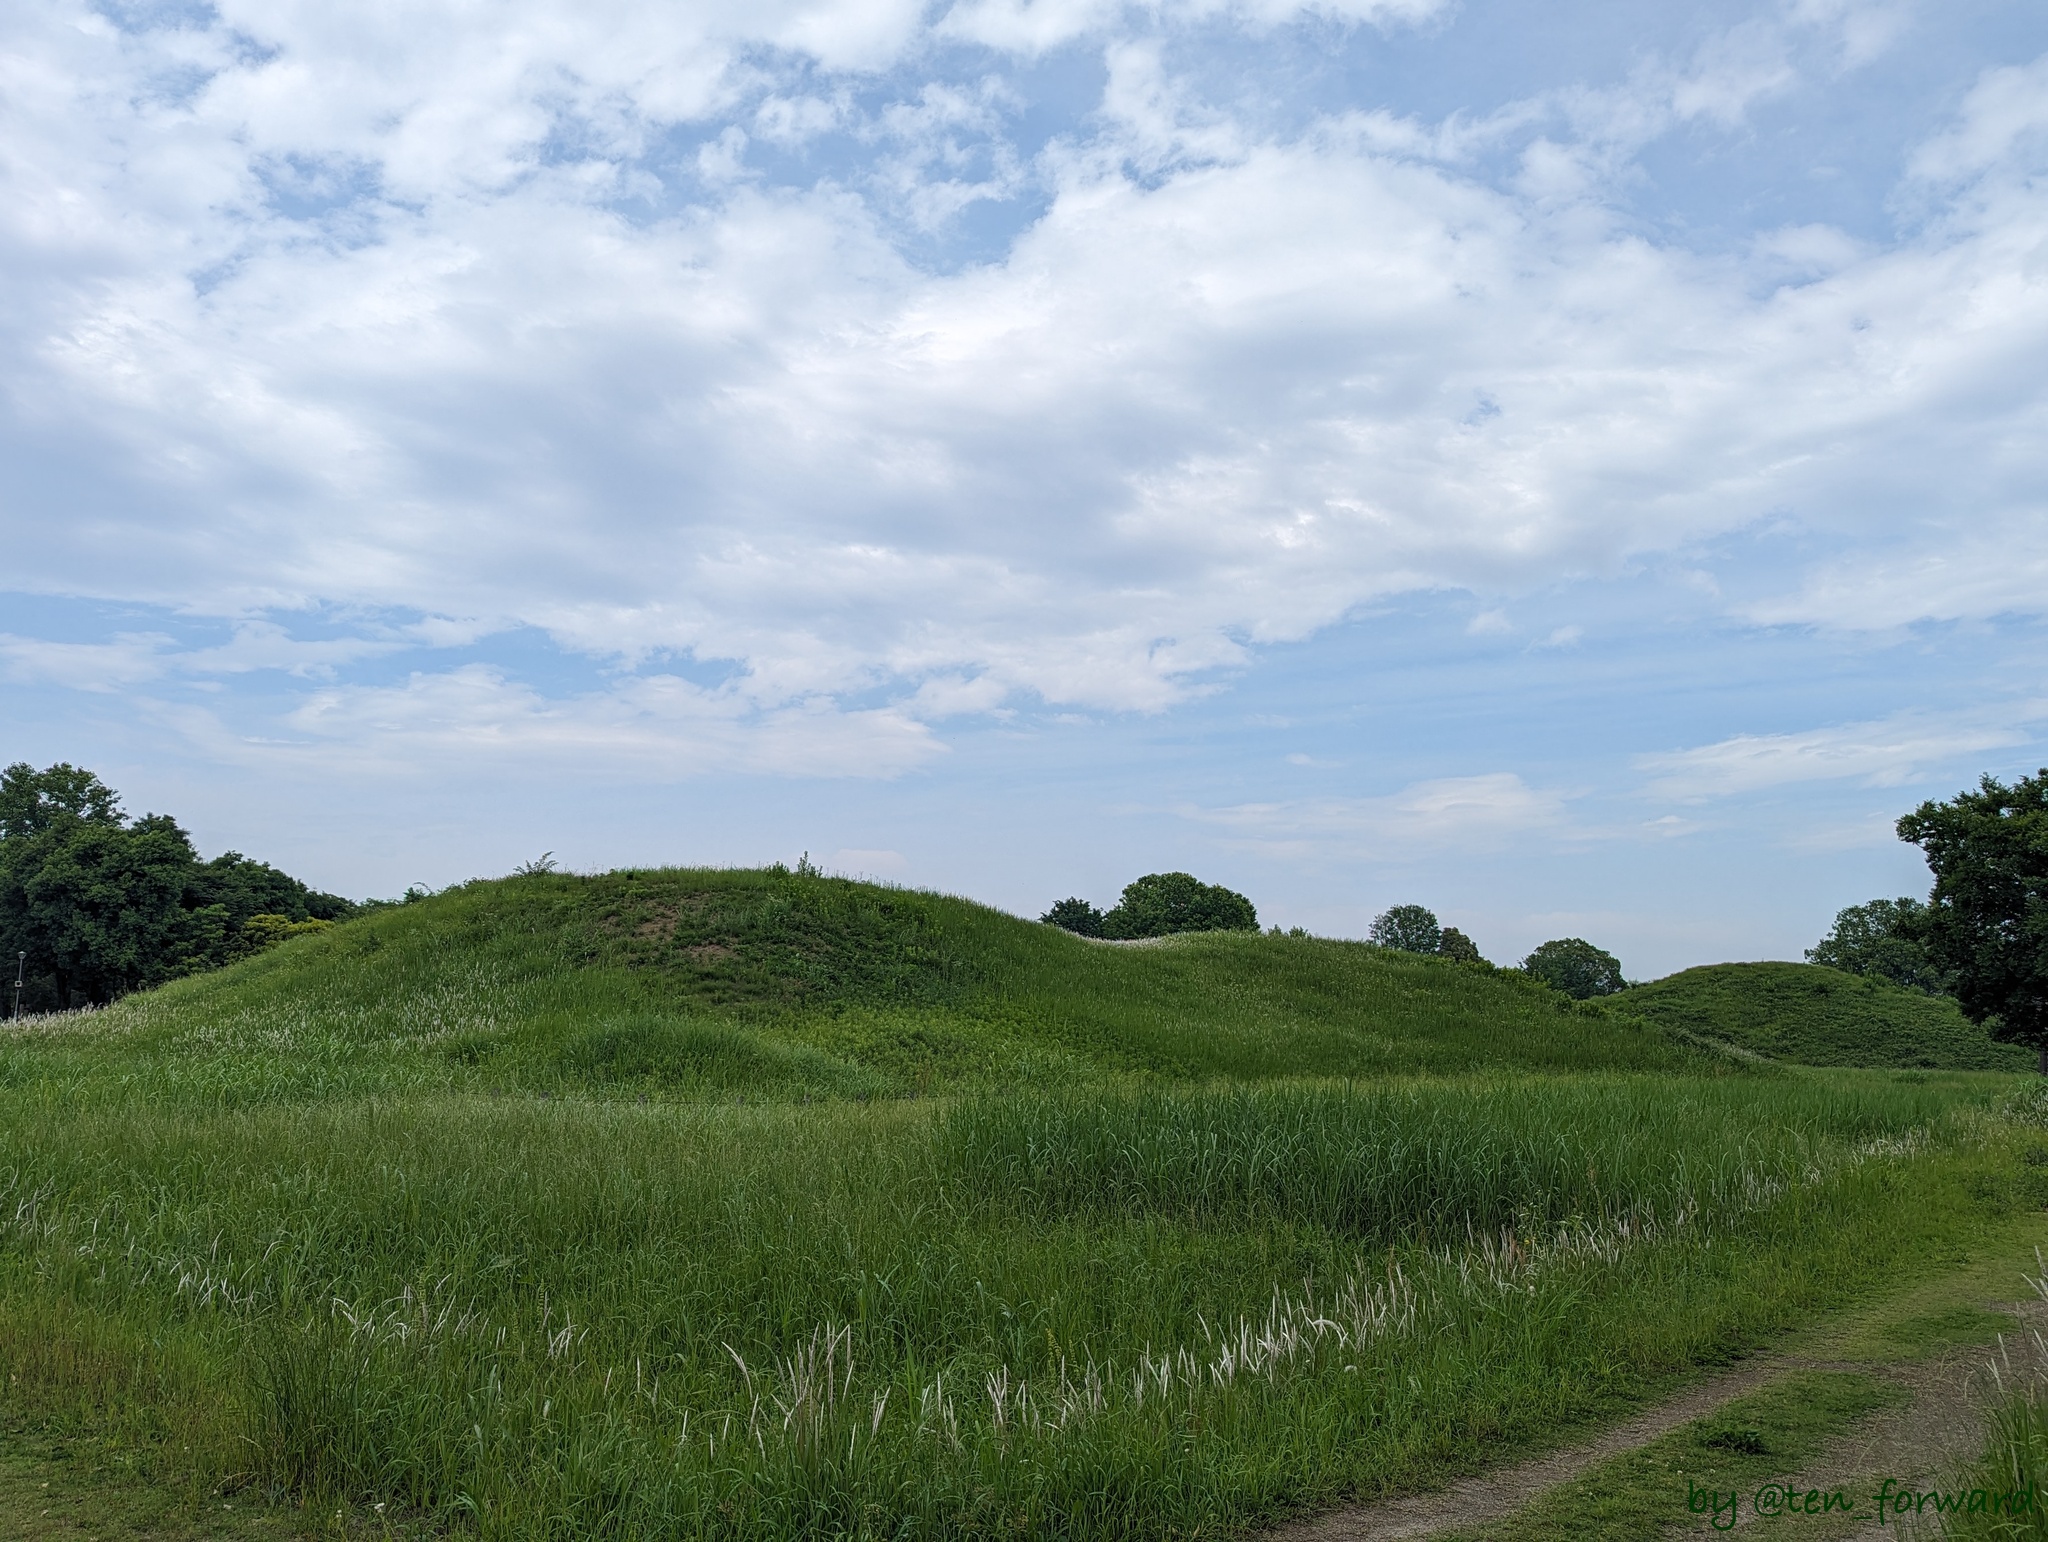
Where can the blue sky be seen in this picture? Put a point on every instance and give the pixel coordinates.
(1583, 468)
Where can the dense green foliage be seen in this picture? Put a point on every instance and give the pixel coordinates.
(1815, 1016)
(1883, 939)
(1074, 915)
(1574, 966)
(1457, 947)
(1165, 904)
(1985, 926)
(103, 905)
(1407, 929)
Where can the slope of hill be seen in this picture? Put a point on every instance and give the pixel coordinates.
(788, 985)
(1817, 1016)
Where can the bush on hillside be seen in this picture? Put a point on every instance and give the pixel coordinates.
(1881, 940)
(1574, 966)
(1076, 916)
(1410, 928)
(1161, 904)
(1458, 948)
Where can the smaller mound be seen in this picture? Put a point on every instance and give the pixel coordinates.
(1817, 1016)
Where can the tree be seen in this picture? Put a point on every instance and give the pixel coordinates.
(1881, 939)
(1410, 928)
(1457, 947)
(1985, 924)
(103, 905)
(1076, 916)
(1574, 966)
(1160, 904)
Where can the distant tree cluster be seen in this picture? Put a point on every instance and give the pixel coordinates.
(1886, 940)
(1574, 966)
(1569, 964)
(1158, 905)
(1415, 929)
(102, 904)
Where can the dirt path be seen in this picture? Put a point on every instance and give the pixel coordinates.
(1934, 1430)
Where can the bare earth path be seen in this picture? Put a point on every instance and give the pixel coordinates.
(1934, 1430)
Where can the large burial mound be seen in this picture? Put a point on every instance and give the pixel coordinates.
(1815, 1016)
(790, 985)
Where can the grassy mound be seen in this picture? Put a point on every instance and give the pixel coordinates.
(791, 986)
(1817, 1016)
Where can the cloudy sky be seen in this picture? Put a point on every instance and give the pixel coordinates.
(1581, 467)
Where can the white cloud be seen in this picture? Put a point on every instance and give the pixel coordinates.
(1885, 753)
(651, 726)
(1468, 813)
(129, 660)
(382, 308)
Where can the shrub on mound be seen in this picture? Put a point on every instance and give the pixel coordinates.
(1160, 904)
(1076, 916)
(1574, 966)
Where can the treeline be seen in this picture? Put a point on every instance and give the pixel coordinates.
(1981, 935)
(94, 904)
(1162, 904)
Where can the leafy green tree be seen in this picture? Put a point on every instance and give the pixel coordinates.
(1881, 939)
(1410, 928)
(1459, 948)
(1160, 904)
(103, 905)
(1986, 922)
(1574, 966)
(1076, 916)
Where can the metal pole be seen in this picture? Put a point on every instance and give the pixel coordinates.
(20, 969)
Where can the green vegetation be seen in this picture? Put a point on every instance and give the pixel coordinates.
(1814, 1016)
(1158, 905)
(1884, 939)
(100, 905)
(2015, 1463)
(739, 1204)
(1407, 929)
(790, 986)
(1703, 1476)
(1985, 925)
(1574, 966)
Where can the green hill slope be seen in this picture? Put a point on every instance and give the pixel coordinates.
(785, 985)
(1817, 1016)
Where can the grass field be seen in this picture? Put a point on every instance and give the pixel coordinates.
(1816, 1016)
(681, 1205)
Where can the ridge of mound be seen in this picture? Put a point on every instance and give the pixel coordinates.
(720, 982)
(1813, 1015)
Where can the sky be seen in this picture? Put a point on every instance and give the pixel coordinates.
(1583, 468)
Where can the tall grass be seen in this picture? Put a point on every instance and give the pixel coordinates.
(1422, 1159)
(1114, 1314)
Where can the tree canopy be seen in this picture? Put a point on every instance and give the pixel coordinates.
(1574, 966)
(1985, 925)
(1410, 928)
(1457, 947)
(103, 905)
(1076, 916)
(1882, 940)
(1160, 904)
